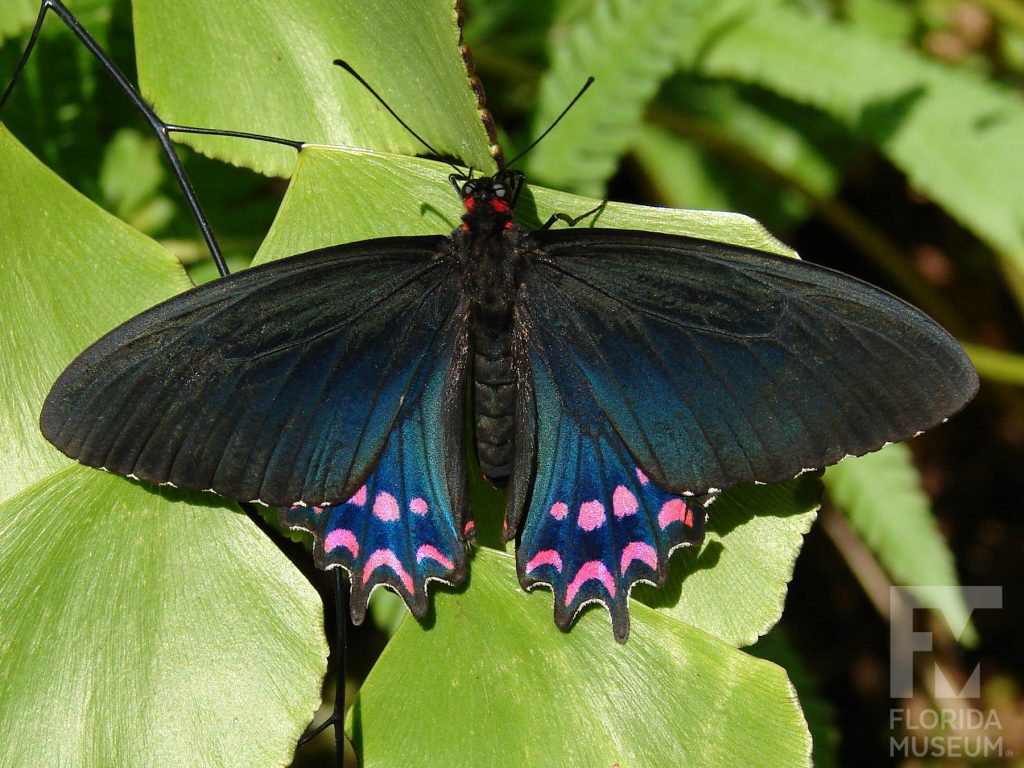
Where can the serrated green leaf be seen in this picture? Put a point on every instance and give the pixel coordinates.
(264, 66)
(498, 684)
(880, 494)
(734, 585)
(629, 47)
(956, 136)
(136, 627)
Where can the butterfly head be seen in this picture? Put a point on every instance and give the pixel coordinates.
(488, 200)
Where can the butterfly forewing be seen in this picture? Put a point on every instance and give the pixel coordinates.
(280, 384)
(718, 365)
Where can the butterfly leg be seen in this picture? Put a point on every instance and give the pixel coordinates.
(572, 221)
(161, 129)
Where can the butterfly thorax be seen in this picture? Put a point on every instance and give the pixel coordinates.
(485, 247)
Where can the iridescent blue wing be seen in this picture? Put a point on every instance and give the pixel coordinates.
(702, 365)
(403, 526)
(301, 380)
(596, 523)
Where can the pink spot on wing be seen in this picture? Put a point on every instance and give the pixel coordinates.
(318, 510)
(385, 507)
(358, 498)
(644, 480)
(592, 515)
(639, 550)
(592, 570)
(387, 558)
(545, 557)
(342, 537)
(623, 502)
(428, 550)
(673, 511)
(418, 506)
(559, 510)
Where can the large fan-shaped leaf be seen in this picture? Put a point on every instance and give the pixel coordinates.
(496, 684)
(135, 631)
(339, 196)
(734, 585)
(66, 280)
(820, 714)
(264, 66)
(143, 628)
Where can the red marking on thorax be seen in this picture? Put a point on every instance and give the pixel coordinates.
(469, 202)
(499, 206)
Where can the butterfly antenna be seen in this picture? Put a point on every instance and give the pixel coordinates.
(535, 142)
(348, 68)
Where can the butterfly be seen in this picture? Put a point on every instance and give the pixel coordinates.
(618, 379)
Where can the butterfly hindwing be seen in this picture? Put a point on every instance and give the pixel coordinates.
(401, 528)
(597, 525)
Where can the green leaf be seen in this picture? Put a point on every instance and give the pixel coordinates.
(882, 18)
(881, 495)
(16, 16)
(734, 586)
(629, 47)
(820, 714)
(138, 627)
(130, 178)
(149, 628)
(70, 274)
(496, 684)
(264, 66)
(722, 147)
(956, 136)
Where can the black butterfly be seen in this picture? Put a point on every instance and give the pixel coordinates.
(620, 380)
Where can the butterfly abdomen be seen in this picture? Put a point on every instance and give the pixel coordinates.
(494, 397)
